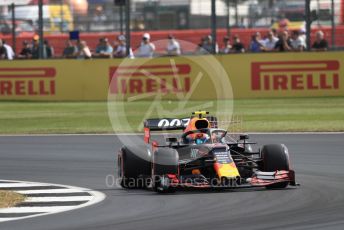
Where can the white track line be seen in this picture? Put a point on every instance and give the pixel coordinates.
(29, 184)
(52, 209)
(6, 219)
(94, 198)
(47, 191)
(58, 199)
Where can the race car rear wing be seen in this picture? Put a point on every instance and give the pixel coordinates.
(168, 124)
(164, 124)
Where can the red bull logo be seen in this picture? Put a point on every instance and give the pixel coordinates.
(36, 81)
(150, 79)
(295, 75)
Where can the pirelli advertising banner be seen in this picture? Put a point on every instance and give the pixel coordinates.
(175, 78)
(288, 75)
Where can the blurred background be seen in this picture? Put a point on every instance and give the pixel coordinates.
(188, 19)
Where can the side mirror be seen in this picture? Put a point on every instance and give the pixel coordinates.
(244, 137)
(171, 140)
(155, 144)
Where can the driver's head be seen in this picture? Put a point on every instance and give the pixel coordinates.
(201, 138)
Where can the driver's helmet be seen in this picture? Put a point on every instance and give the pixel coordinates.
(201, 138)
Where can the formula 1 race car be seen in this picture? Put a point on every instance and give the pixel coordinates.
(204, 156)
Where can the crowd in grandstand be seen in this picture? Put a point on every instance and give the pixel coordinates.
(271, 42)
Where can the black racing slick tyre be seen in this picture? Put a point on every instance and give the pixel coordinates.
(275, 157)
(133, 166)
(165, 161)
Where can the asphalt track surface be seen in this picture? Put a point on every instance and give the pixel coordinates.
(86, 160)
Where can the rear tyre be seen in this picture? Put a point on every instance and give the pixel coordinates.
(275, 157)
(133, 166)
(165, 161)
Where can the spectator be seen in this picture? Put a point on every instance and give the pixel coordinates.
(283, 44)
(26, 52)
(3, 51)
(146, 48)
(9, 51)
(70, 50)
(121, 48)
(226, 46)
(48, 50)
(274, 33)
(256, 45)
(83, 51)
(104, 49)
(238, 47)
(270, 42)
(199, 49)
(35, 47)
(173, 47)
(100, 44)
(302, 35)
(297, 43)
(320, 43)
(208, 45)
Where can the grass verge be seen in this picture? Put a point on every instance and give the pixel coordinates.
(259, 115)
(10, 199)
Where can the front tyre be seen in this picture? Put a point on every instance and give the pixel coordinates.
(133, 166)
(275, 157)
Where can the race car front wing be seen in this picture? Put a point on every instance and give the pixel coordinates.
(268, 178)
(259, 179)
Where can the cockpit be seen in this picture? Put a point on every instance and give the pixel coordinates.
(204, 136)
